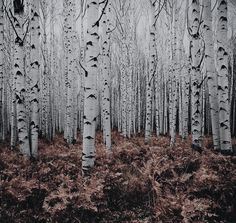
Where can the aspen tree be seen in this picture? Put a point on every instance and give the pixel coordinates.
(174, 83)
(9, 70)
(139, 97)
(82, 58)
(169, 80)
(70, 67)
(106, 76)
(165, 105)
(185, 89)
(20, 78)
(150, 74)
(1, 68)
(75, 80)
(222, 70)
(34, 88)
(123, 80)
(6, 66)
(90, 93)
(45, 75)
(210, 71)
(52, 67)
(66, 78)
(130, 54)
(196, 80)
(123, 86)
(184, 81)
(13, 117)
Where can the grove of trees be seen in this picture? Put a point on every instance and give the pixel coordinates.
(149, 68)
(162, 67)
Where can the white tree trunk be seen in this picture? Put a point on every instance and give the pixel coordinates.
(210, 71)
(106, 78)
(70, 69)
(34, 88)
(223, 84)
(82, 57)
(90, 99)
(123, 85)
(150, 74)
(1, 68)
(196, 77)
(45, 75)
(157, 102)
(185, 86)
(174, 84)
(13, 119)
(23, 133)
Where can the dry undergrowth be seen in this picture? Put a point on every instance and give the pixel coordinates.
(138, 183)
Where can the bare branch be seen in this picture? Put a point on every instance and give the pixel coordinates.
(103, 10)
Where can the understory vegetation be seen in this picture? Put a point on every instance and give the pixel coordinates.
(138, 183)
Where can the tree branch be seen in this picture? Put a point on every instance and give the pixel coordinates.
(11, 20)
(100, 17)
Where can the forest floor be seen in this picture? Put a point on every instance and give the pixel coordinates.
(138, 183)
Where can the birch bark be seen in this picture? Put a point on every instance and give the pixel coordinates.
(210, 71)
(106, 77)
(1, 67)
(90, 93)
(34, 88)
(223, 83)
(196, 79)
(23, 133)
(150, 74)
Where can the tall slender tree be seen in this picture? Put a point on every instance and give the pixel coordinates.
(1, 67)
(223, 72)
(20, 78)
(90, 93)
(196, 77)
(174, 71)
(106, 76)
(34, 87)
(69, 34)
(211, 71)
(150, 74)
